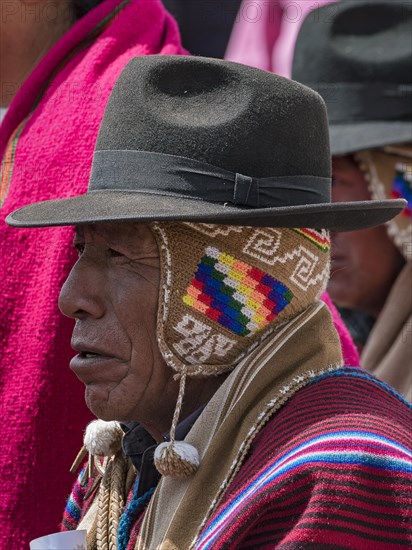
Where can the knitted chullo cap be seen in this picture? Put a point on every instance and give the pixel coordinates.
(388, 172)
(223, 290)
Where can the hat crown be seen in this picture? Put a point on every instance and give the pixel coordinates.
(357, 55)
(356, 41)
(207, 140)
(229, 115)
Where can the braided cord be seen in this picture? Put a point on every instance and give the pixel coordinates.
(111, 502)
(117, 499)
(130, 514)
(104, 509)
(179, 403)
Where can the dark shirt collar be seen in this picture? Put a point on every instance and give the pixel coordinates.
(140, 446)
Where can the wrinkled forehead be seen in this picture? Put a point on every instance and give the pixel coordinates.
(108, 229)
(132, 235)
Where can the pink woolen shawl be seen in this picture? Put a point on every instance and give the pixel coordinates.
(43, 411)
(265, 32)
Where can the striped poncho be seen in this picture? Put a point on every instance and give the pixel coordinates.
(331, 470)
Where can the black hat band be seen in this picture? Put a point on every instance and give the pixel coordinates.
(170, 175)
(348, 102)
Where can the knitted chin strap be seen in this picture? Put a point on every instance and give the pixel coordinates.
(177, 458)
(223, 290)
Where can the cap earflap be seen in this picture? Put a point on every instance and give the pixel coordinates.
(223, 290)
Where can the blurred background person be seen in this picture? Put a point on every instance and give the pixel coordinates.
(359, 60)
(265, 32)
(264, 36)
(59, 61)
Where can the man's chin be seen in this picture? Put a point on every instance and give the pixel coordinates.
(101, 407)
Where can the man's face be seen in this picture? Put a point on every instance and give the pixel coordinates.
(364, 263)
(112, 292)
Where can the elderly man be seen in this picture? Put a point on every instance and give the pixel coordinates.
(361, 67)
(203, 249)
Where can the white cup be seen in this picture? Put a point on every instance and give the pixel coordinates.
(69, 540)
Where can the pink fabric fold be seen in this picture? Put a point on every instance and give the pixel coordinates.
(349, 351)
(43, 410)
(265, 33)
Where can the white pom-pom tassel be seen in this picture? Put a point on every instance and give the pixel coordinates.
(177, 459)
(103, 438)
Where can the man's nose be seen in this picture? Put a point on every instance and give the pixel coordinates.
(81, 295)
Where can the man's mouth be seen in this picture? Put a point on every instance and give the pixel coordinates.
(93, 356)
(88, 354)
(91, 367)
(89, 350)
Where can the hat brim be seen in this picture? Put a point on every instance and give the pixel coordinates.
(115, 206)
(351, 137)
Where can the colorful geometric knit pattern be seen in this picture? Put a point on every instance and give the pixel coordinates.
(318, 238)
(73, 510)
(238, 296)
(402, 187)
(321, 477)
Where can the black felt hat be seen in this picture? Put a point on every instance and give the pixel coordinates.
(190, 138)
(358, 55)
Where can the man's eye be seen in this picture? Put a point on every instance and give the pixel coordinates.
(114, 253)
